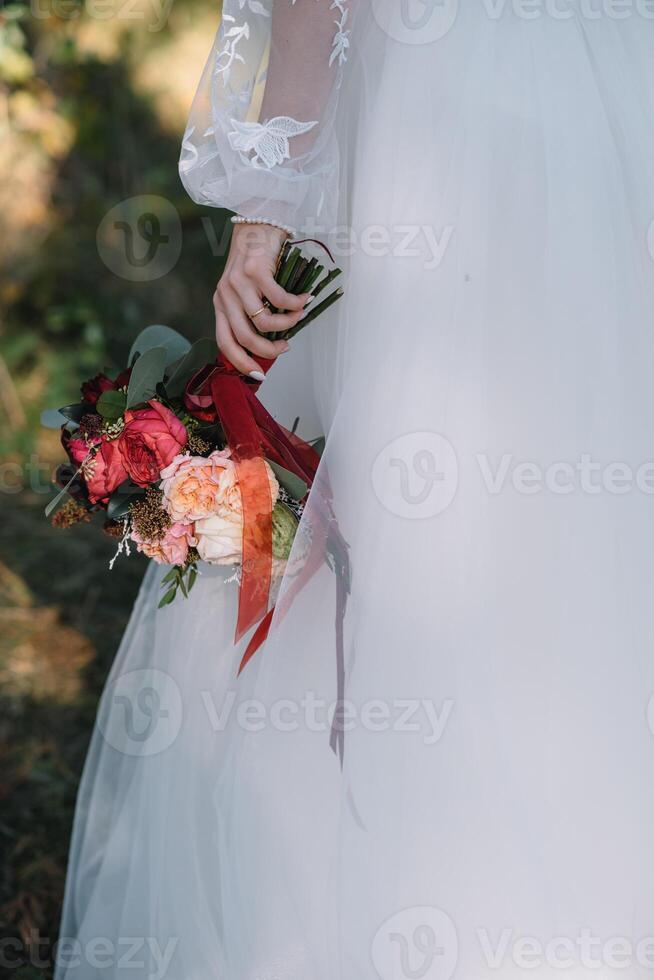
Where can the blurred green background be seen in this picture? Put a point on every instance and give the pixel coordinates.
(93, 101)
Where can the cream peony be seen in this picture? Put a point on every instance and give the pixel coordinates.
(220, 533)
(219, 540)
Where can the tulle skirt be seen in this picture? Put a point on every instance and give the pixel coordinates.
(486, 393)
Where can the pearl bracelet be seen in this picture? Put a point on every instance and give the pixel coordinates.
(238, 220)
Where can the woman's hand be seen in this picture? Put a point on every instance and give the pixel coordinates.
(247, 282)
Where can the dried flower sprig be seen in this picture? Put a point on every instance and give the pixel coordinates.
(70, 514)
(148, 517)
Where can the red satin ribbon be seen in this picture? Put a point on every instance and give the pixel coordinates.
(219, 391)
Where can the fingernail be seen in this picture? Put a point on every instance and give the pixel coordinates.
(286, 347)
(257, 375)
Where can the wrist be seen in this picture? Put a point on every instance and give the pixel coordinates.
(238, 219)
(252, 240)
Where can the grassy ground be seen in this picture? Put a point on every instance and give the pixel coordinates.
(61, 617)
(91, 114)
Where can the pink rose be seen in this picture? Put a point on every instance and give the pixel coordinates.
(192, 484)
(151, 439)
(172, 549)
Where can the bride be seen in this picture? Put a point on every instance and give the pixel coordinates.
(485, 174)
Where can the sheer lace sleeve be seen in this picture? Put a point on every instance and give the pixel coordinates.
(260, 138)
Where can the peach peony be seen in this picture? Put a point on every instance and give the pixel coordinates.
(192, 484)
(220, 535)
(228, 500)
(172, 549)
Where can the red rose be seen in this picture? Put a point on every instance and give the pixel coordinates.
(122, 380)
(91, 390)
(151, 439)
(105, 472)
(77, 447)
(102, 472)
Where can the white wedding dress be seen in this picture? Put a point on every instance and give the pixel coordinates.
(486, 391)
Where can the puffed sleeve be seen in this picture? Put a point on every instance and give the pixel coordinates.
(260, 139)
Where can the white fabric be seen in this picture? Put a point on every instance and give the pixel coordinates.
(260, 137)
(508, 831)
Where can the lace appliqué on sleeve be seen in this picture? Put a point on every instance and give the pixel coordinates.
(341, 41)
(265, 145)
(228, 54)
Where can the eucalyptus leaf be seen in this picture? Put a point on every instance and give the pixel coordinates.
(294, 485)
(52, 418)
(76, 411)
(111, 404)
(129, 487)
(319, 445)
(147, 372)
(124, 495)
(192, 577)
(119, 505)
(203, 352)
(54, 503)
(158, 335)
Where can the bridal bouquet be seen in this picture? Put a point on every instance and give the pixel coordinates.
(185, 463)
